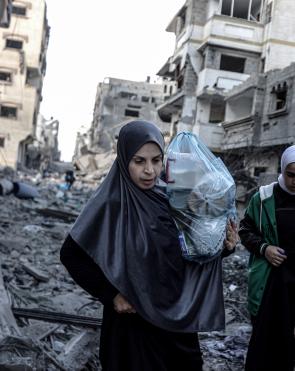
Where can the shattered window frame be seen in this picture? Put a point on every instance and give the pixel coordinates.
(8, 112)
(279, 98)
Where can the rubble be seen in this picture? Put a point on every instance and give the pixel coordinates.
(46, 320)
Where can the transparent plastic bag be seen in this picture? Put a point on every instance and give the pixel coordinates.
(201, 193)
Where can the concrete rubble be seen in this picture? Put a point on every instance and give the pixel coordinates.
(46, 321)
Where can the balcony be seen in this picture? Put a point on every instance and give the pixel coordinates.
(238, 134)
(211, 135)
(171, 105)
(225, 31)
(211, 81)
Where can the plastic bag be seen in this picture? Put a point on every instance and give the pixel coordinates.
(201, 193)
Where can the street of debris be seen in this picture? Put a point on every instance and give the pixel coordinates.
(46, 321)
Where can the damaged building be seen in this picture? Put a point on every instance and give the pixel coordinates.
(118, 101)
(219, 45)
(22, 68)
(44, 149)
(259, 123)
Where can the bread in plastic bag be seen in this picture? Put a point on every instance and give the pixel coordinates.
(201, 192)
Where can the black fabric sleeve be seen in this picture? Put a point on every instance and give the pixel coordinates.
(250, 236)
(85, 272)
(226, 252)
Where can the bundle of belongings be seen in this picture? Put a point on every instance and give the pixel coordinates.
(201, 193)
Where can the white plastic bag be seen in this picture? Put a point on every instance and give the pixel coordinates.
(201, 193)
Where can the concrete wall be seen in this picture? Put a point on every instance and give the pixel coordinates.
(279, 35)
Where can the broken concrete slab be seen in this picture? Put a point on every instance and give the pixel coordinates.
(79, 350)
(35, 272)
(8, 325)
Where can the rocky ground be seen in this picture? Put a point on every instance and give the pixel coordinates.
(46, 321)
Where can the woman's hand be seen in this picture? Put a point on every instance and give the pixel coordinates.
(232, 236)
(121, 305)
(275, 255)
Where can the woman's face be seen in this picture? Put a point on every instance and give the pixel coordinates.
(146, 165)
(289, 177)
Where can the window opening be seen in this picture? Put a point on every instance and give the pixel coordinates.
(14, 44)
(2, 142)
(226, 7)
(19, 10)
(262, 65)
(268, 14)
(233, 64)
(217, 112)
(241, 10)
(245, 9)
(280, 96)
(125, 94)
(8, 112)
(131, 113)
(5, 76)
(259, 170)
(165, 89)
(145, 99)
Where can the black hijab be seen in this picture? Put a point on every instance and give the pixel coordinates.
(130, 234)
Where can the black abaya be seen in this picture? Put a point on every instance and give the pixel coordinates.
(154, 349)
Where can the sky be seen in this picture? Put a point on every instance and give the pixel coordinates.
(103, 38)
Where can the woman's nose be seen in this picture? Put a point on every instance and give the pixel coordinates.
(149, 168)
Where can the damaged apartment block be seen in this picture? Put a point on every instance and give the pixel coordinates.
(118, 101)
(259, 123)
(23, 44)
(219, 44)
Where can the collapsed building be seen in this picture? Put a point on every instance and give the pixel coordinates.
(44, 149)
(219, 45)
(22, 68)
(118, 101)
(259, 122)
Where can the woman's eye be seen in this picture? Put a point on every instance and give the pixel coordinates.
(138, 161)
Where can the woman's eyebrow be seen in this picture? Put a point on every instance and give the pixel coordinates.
(159, 155)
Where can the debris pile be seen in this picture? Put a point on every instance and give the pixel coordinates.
(47, 321)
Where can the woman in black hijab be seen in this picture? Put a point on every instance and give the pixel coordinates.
(124, 250)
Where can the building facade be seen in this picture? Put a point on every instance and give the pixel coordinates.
(118, 101)
(44, 149)
(23, 48)
(219, 45)
(259, 122)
